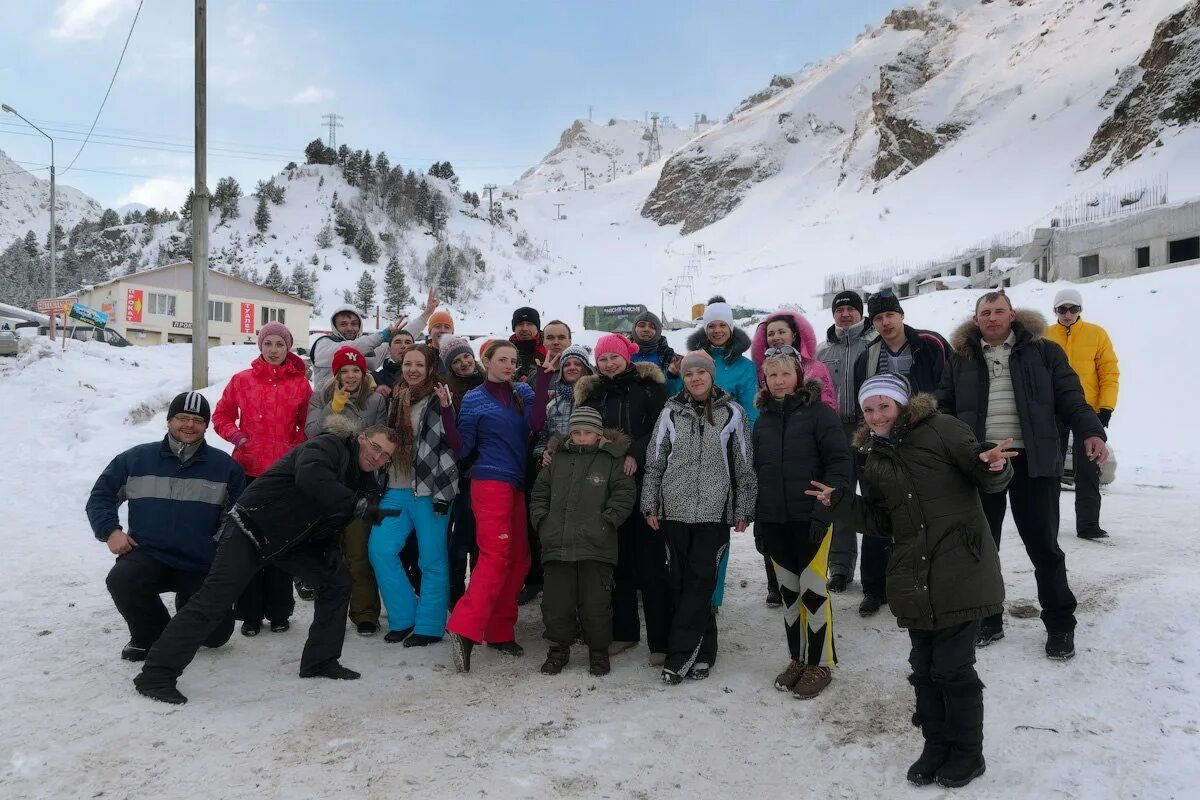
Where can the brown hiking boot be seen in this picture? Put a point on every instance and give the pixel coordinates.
(785, 680)
(812, 682)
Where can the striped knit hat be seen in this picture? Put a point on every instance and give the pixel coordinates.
(190, 403)
(581, 353)
(587, 419)
(886, 384)
(453, 347)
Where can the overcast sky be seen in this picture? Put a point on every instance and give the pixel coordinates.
(486, 85)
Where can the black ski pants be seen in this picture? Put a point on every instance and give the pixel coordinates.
(319, 565)
(946, 655)
(641, 565)
(694, 557)
(1087, 486)
(135, 582)
(577, 596)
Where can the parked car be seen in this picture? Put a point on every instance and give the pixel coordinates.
(86, 333)
(9, 341)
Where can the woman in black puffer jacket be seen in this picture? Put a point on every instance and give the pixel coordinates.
(798, 439)
(923, 475)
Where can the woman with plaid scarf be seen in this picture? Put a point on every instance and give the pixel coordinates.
(422, 483)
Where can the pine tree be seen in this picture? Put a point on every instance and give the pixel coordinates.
(109, 219)
(366, 170)
(274, 279)
(367, 248)
(185, 210)
(304, 283)
(345, 225)
(314, 153)
(31, 245)
(325, 237)
(364, 294)
(395, 288)
(226, 198)
(421, 207)
(262, 216)
(343, 154)
(437, 213)
(382, 165)
(152, 217)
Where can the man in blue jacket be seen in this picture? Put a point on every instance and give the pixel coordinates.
(178, 491)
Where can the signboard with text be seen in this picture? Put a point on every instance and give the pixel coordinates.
(614, 318)
(133, 305)
(92, 316)
(247, 318)
(54, 305)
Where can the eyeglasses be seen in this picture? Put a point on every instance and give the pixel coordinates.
(786, 350)
(379, 452)
(1068, 309)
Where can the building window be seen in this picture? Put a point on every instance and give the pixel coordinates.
(1143, 257)
(967, 270)
(1007, 282)
(1183, 250)
(1089, 265)
(951, 271)
(271, 315)
(980, 264)
(163, 304)
(220, 312)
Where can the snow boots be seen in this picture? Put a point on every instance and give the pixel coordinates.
(556, 659)
(331, 669)
(598, 663)
(785, 680)
(930, 717)
(963, 731)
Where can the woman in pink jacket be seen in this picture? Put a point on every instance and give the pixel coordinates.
(786, 328)
(262, 412)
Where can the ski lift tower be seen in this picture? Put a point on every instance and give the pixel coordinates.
(654, 149)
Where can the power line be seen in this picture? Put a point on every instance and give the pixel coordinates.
(331, 119)
(110, 85)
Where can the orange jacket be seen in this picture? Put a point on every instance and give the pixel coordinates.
(1091, 354)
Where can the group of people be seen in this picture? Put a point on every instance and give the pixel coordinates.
(597, 476)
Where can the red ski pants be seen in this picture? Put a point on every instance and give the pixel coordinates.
(488, 610)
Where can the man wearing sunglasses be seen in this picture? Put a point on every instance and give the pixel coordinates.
(292, 516)
(1091, 354)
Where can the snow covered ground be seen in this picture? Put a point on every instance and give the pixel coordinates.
(1122, 720)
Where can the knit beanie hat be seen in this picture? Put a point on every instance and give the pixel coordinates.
(347, 356)
(698, 358)
(1069, 297)
(886, 384)
(440, 316)
(718, 312)
(190, 403)
(526, 314)
(881, 303)
(587, 419)
(847, 298)
(615, 343)
(651, 317)
(453, 347)
(578, 351)
(275, 329)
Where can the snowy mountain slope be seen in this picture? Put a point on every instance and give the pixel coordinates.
(73, 726)
(25, 203)
(608, 151)
(944, 126)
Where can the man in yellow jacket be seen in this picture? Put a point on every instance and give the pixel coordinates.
(1091, 354)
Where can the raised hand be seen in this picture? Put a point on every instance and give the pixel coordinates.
(397, 325)
(431, 301)
(996, 457)
(443, 395)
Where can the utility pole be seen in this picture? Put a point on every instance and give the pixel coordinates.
(654, 150)
(331, 120)
(53, 202)
(200, 208)
(489, 188)
(585, 177)
(558, 210)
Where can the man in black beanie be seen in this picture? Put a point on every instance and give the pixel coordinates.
(178, 490)
(527, 336)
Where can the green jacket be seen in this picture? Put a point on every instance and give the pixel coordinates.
(921, 490)
(581, 498)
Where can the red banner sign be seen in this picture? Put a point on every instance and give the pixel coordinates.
(133, 305)
(247, 318)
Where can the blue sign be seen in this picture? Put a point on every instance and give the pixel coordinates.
(92, 316)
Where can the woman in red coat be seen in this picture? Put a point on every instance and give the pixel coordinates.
(262, 412)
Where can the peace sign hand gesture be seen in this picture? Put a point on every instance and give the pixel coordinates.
(824, 494)
(443, 395)
(551, 363)
(997, 456)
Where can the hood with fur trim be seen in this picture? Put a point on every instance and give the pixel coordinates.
(806, 395)
(612, 440)
(808, 337)
(739, 343)
(340, 424)
(920, 408)
(966, 337)
(585, 387)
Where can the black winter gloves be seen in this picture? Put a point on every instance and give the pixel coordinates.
(370, 512)
(1105, 416)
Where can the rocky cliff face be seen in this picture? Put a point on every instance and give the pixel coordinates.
(1161, 92)
(696, 190)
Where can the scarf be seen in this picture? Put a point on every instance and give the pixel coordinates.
(400, 418)
(650, 347)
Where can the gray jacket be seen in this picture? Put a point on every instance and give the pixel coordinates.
(699, 471)
(372, 345)
(838, 353)
(373, 411)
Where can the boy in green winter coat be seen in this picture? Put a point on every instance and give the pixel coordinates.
(578, 503)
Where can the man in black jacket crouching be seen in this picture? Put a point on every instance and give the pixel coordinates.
(292, 517)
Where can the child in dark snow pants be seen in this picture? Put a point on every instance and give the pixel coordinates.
(579, 501)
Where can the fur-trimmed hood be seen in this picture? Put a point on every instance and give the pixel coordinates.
(807, 395)
(966, 337)
(585, 387)
(808, 337)
(613, 440)
(739, 343)
(920, 408)
(340, 424)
